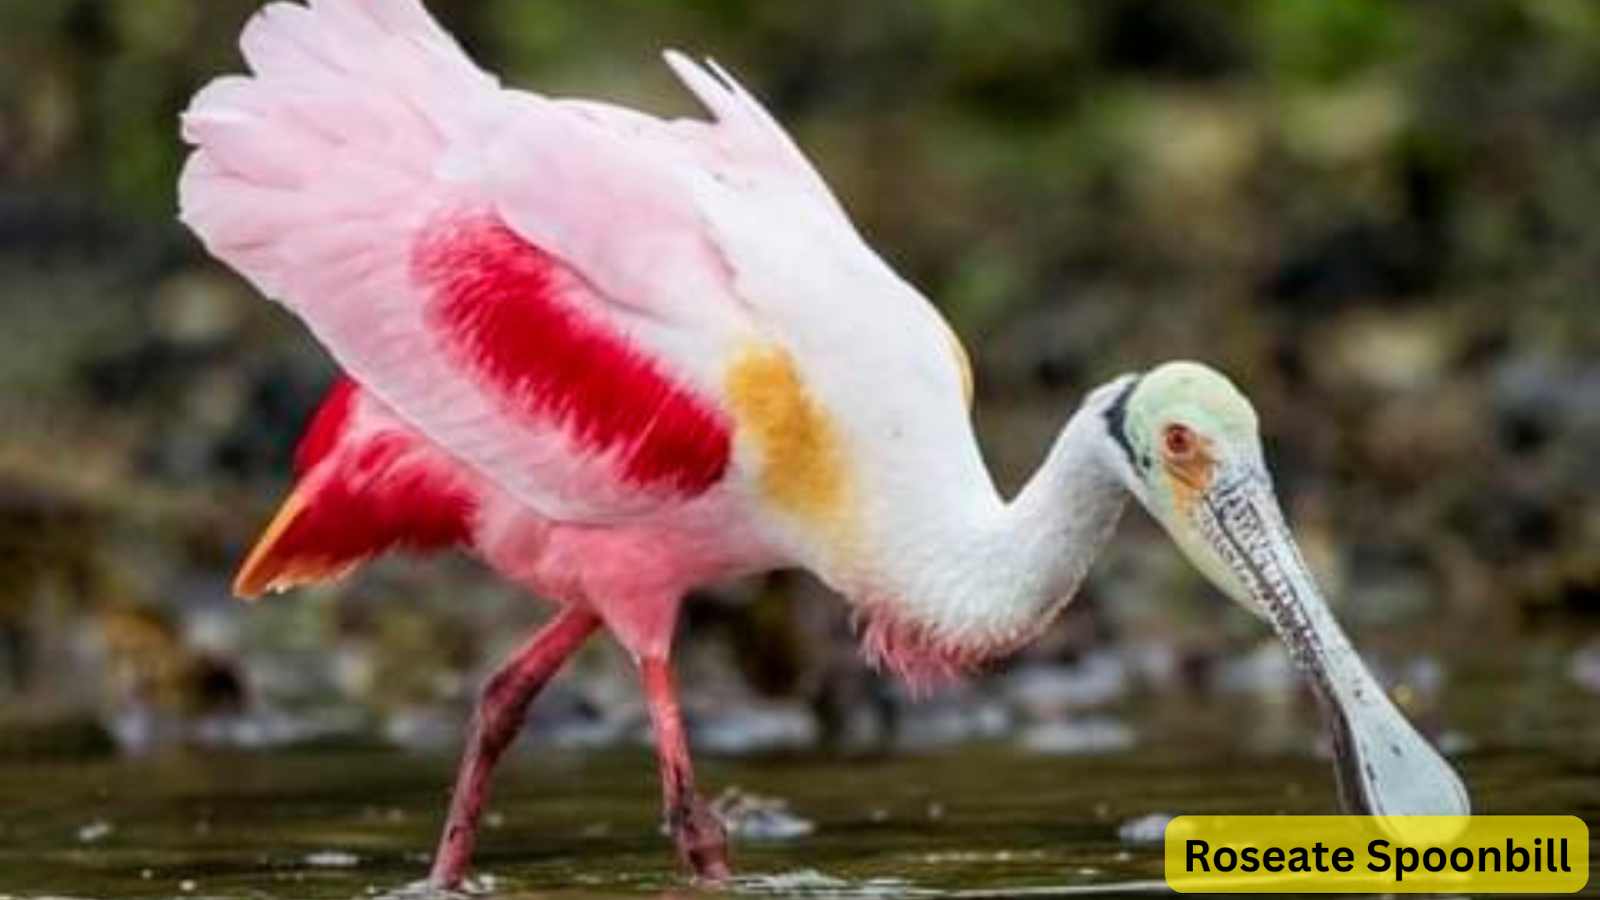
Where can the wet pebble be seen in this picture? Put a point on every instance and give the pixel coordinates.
(331, 859)
(755, 817)
(1146, 829)
(95, 832)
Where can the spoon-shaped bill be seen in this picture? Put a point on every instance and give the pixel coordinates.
(1384, 767)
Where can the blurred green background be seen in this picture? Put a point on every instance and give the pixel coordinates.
(1377, 216)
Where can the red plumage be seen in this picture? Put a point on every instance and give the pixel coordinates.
(506, 308)
(326, 426)
(380, 495)
(359, 493)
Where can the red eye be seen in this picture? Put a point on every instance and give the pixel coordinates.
(1180, 442)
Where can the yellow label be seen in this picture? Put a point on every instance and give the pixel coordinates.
(1370, 854)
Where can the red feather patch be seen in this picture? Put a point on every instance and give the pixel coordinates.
(501, 303)
(327, 426)
(358, 497)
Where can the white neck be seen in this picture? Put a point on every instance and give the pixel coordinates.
(1051, 533)
(972, 576)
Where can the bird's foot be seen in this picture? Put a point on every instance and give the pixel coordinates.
(449, 886)
(702, 845)
(453, 857)
(428, 889)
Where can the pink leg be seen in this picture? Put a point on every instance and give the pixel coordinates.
(502, 708)
(696, 832)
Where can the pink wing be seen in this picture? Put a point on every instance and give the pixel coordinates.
(525, 281)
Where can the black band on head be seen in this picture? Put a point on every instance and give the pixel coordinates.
(1117, 421)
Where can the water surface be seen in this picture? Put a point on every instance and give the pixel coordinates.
(977, 821)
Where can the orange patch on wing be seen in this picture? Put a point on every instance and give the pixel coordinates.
(803, 467)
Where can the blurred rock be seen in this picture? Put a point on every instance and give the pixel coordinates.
(1265, 671)
(1385, 351)
(198, 308)
(142, 730)
(424, 729)
(754, 728)
(1048, 692)
(753, 817)
(1540, 401)
(1087, 736)
(1583, 667)
(565, 715)
(331, 859)
(954, 716)
(1146, 829)
(1455, 743)
(95, 832)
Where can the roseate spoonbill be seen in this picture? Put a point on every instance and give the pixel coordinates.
(617, 357)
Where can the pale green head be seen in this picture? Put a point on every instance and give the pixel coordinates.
(1182, 429)
(1186, 442)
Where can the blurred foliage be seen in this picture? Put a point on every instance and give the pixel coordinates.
(1379, 216)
